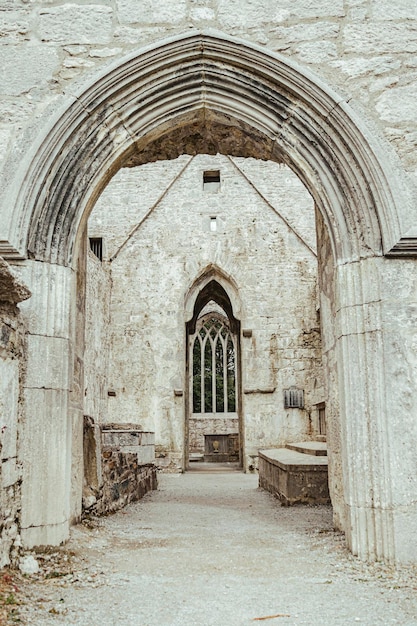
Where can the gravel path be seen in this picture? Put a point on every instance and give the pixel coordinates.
(210, 549)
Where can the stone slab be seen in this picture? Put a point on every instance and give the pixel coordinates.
(315, 448)
(45, 535)
(294, 461)
(29, 69)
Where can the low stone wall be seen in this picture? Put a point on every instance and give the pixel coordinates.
(124, 481)
(293, 477)
(119, 466)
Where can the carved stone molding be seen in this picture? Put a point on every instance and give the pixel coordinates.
(206, 92)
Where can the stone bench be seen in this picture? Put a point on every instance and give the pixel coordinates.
(295, 477)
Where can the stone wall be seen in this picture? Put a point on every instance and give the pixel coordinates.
(12, 373)
(11, 352)
(157, 243)
(364, 48)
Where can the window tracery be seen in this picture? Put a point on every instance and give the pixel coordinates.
(214, 365)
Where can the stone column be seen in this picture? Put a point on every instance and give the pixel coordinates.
(399, 323)
(365, 434)
(46, 437)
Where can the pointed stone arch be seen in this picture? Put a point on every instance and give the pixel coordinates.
(207, 92)
(213, 283)
(268, 105)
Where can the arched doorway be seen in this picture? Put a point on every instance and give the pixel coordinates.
(211, 93)
(214, 419)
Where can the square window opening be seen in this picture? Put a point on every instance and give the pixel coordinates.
(211, 180)
(96, 247)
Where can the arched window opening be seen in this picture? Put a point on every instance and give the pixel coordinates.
(214, 363)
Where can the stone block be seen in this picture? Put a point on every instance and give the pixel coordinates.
(382, 10)
(47, 312)
(398, 104)
(145, 455)
(46, 464)
(147, 439)
(151, 11)
(317, 51)
(48, 362)
(120, 438)
(26, 67)
(379, 38)
(202, 14)
(76, 24)
(294, 34)
(14, 26)
(240, 13)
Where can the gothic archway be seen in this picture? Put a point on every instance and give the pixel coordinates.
(195, 93)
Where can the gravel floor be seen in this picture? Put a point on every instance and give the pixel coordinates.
(212, 549)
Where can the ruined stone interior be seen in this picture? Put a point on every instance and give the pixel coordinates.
(255, 233)
(210, 246)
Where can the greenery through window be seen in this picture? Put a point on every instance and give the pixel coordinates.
(214, 366)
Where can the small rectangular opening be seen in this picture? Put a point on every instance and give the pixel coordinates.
(322, 418)
(96, 247)
(213, 224)
(211, 180)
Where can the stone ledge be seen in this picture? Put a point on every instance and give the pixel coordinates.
(405, 248)
(314, 448)
(290, 460)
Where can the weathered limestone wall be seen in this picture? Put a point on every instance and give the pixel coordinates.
(11, 364)
(118, 463)
(12, 374)
(153, 268)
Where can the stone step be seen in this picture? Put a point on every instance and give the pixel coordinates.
(315, 448)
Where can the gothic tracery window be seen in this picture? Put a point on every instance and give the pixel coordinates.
(214, 366)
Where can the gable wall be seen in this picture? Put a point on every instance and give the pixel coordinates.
(274, 270)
